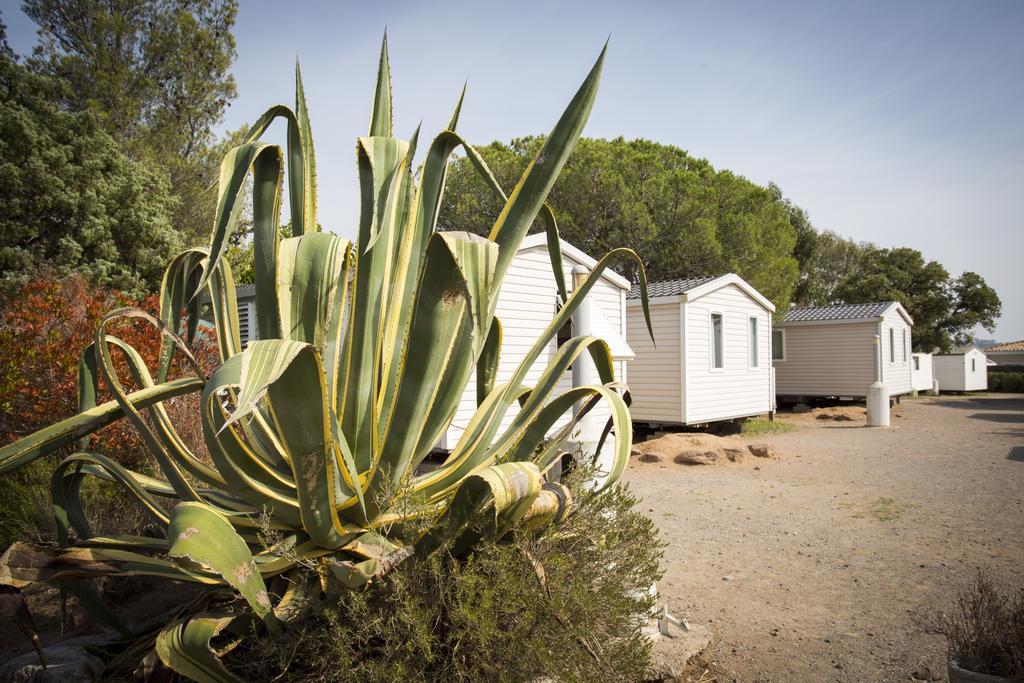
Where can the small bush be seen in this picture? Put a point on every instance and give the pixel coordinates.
(762, 426)
(567, 603)
(986, 630)
(1010, 382)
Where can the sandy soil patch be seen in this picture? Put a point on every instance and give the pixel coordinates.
(819, 565)
(687, 448)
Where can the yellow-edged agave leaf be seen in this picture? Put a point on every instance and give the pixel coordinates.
(161, 451)
(554, 241)
(479, 447)
(537, 180)
(301, 160)
(381, 114)
(266, 218)
(176, 290)
(487, 364)
(302, 588)
(308, 175)
(383, 175)
(65, 487)
(408, 261)
(163, 428)
(47, 440)
(184, 646)
(490, 501)
(448, 326)
(201, 534)
(291, 376)
(262, 363)
(22, 564)
(311, 278)
(246, 475)
(551, 506)
(534, 433)
(484, 429)
(221, 285)
(234, 169)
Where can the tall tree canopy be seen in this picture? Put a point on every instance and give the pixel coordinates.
(682, 216)
(946, 310)
(826, 259)
(157, 76)
(73, 201)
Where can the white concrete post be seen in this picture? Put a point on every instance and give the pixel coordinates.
(589, 429)
(582, 371)
(878, 393)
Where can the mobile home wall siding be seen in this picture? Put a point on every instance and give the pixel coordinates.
(655, 379)
(923, 377)
(896, 371)
(949, 370)
(526, 305)
(736, 389)
(977, 379)
(827, 360)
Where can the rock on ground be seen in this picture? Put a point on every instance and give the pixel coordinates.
(66, 662)
(761, 450)
(670, 655)
(696, 458)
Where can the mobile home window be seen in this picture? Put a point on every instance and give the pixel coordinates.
(973, 368)
(778, 345)
(753, 342)
(917, 363)
(717, 343)
(904, 346)
(892, 345)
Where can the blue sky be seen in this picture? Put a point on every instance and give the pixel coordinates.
(898, 123)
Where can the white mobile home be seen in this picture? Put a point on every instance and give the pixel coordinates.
(245, 295)
(712, 361)
(966, 371)
(527, 303)
(922, 372)
(831, 351)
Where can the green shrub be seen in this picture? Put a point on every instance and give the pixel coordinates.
(1006, 381)
(491, 616)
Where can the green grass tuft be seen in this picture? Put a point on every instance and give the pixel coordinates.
(761, 426)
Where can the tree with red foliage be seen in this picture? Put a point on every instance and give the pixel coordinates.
(45, 325)
(44, 328)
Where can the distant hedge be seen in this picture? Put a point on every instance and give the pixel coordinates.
(1008, 378)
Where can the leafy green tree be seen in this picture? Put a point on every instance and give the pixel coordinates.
(156, 74)
(945, 310)
(807, 239)
(73, 201)
(975, 304)
(682, 216)
(826, 259)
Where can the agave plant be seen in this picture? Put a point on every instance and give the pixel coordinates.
(316, 431)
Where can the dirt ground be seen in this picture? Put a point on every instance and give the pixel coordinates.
(820, 564)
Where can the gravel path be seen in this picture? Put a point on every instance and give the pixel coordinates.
(819, 565)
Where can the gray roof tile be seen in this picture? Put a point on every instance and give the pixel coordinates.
(837, 312)
(671, 287)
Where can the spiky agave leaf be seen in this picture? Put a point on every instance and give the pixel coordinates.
(316, 430)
